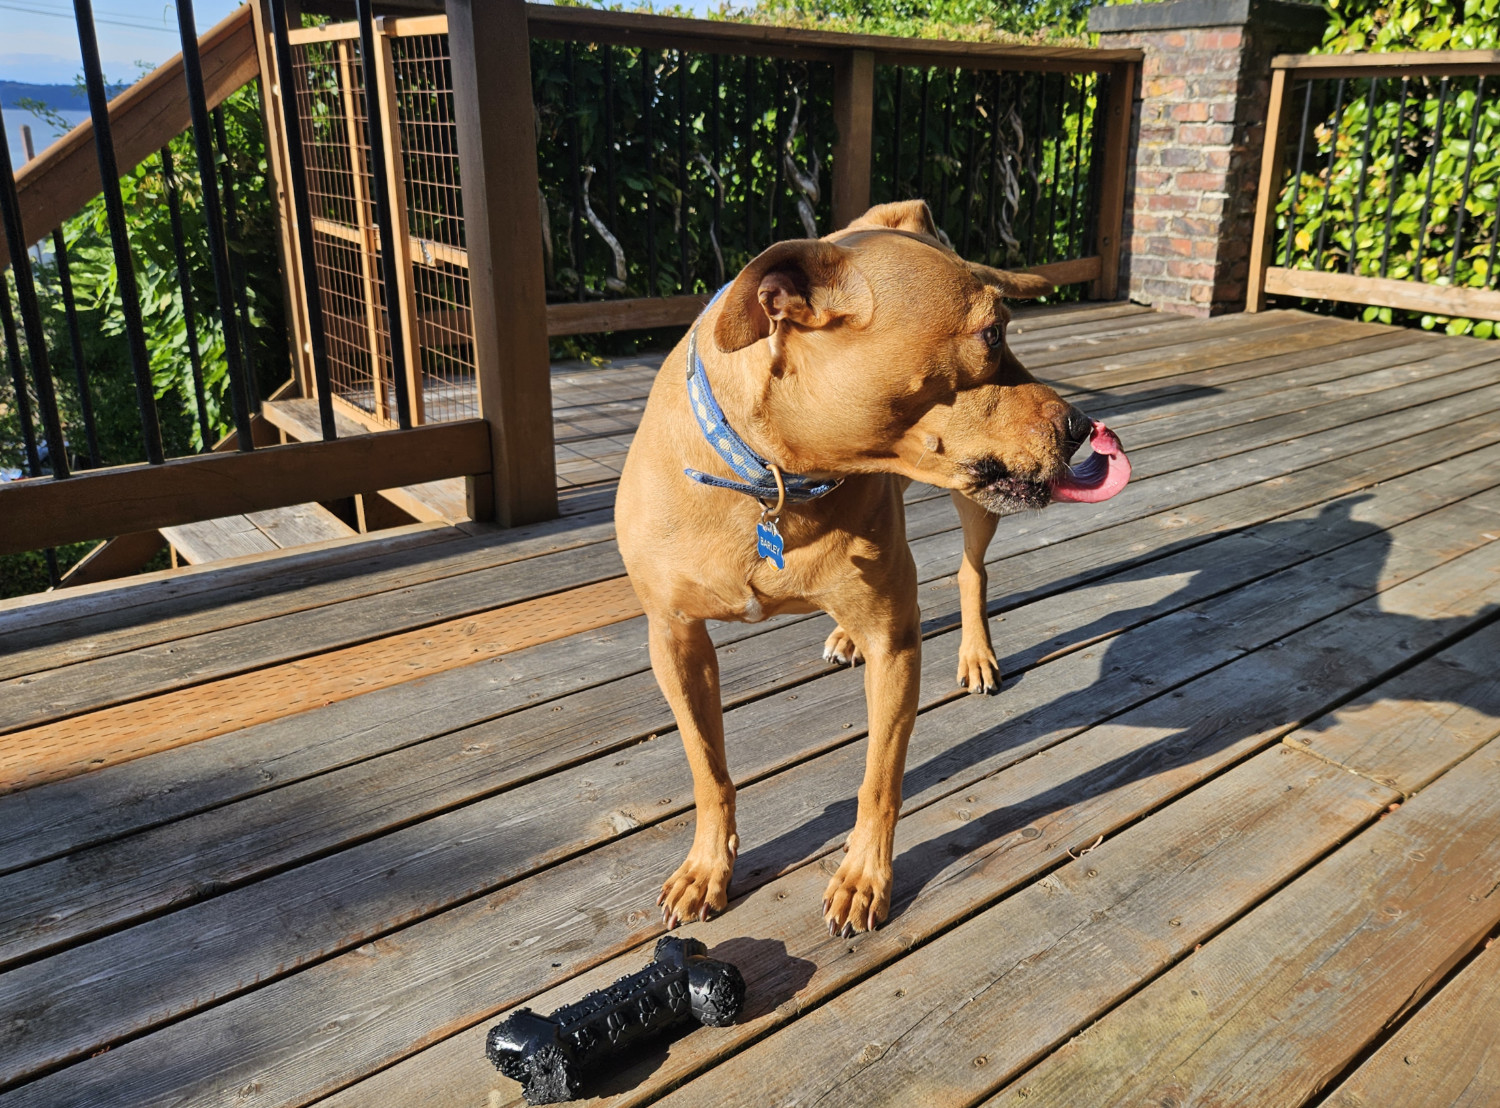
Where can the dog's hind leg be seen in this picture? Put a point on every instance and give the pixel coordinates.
(687, 669)
(978, 668)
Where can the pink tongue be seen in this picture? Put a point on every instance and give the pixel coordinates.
(1100, 475)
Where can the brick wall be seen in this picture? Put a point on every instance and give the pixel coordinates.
(1196, 141)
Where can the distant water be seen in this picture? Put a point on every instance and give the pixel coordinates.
(42, 134)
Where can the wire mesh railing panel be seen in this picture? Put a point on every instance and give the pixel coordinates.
(434, 212)
(1397, 178)
(330, 101)
(664, 171)
(1006, 160)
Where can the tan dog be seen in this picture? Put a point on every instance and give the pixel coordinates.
(877, 356)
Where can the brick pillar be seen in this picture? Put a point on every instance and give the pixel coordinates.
(1196, 140)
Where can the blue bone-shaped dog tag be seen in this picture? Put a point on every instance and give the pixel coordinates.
(769, 543)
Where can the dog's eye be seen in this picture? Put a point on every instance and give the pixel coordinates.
(993, 335)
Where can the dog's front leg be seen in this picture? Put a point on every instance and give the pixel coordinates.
(890, 638)
(687, 669)
(978, 668)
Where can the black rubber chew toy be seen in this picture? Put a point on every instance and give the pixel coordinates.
(551, 1056)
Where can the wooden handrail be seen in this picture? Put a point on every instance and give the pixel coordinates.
(57, 184)
(1409, 294)
(101, 503)
(714, 36)
(1435, 63)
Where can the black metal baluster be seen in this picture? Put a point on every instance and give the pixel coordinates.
(715, 103)
(236, 265)
(1364, 176)
(575, 167)
(18, 380)
(109, 174)
(1072, 233)
(1393, 182)
(303, 214)
(944, 197)
(1059, 140)
(189, 302)
(1463, 199)
(988, 243)
(648, 97)
(922, 137)
(1037, 162)
(970, 170)
(213, 218)
(1432, 159)
(1291, 211)
(684, 278)
(23, 402)
(609, 133)
(896, 134)
(375, 139)
(748, 176)
(1097, 136)
(1333, 150)
(75, 345)
(31, 313)
(775, 138)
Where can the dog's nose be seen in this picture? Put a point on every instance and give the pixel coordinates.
(1077, 428)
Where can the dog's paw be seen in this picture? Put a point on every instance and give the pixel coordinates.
(840, 648)
(699, 889)
(978, 669)
(858, 898)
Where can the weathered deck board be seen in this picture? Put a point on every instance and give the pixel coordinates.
(1409, 730)
(108, 736)
(1187, 639)
(1448, 1056)
(1273, 1009)
(260, 753)
(335, 902)
(945, 1024)
(111, 620)
(37, 700)
(110, 885)
(1025, 576)
(1089, 785)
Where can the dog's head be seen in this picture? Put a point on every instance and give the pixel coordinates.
(881, 350)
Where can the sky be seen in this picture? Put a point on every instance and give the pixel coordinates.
(39, 43)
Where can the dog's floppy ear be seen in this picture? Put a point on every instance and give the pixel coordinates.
(901, 215)
(808, 282)
(1015, 286)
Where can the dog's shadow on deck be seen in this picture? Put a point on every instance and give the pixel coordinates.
(1359, 553)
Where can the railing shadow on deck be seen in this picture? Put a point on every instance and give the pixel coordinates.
(1191, 737)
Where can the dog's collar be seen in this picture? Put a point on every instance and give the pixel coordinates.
(758, 479)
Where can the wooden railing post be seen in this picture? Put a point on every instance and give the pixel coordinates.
(1115, 169)
(854, 117)
(489, 46)
(1272, 161)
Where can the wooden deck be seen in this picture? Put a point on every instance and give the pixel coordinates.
(297, 829)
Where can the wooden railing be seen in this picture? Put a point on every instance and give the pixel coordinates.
(47, 510)
(687, 74)
(1375, 128)
(503, 320)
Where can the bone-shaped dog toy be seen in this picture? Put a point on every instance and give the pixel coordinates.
(552, 1055)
